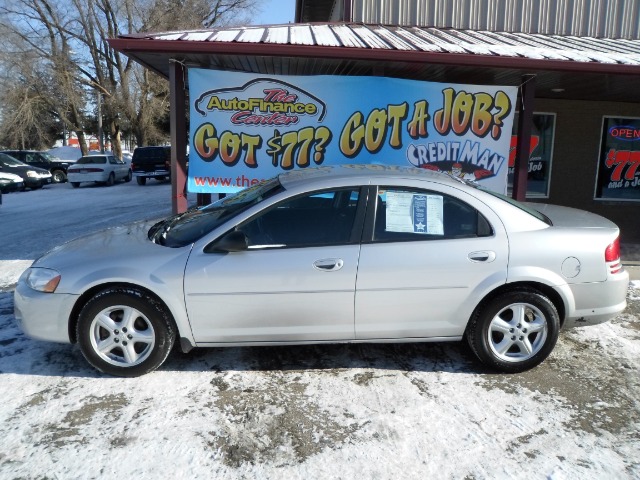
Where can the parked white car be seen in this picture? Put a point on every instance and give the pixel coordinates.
(105, 169)
(361, 253)
(10, 182)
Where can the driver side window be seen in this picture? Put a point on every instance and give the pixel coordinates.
(314, 219)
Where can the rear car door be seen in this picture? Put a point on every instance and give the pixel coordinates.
(431, 256)
(296, 282)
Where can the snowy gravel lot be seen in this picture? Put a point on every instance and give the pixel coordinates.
(338, 411)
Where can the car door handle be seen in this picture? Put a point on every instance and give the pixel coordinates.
(483, 256)
(328, 264)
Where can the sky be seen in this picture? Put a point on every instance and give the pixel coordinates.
(274, 12)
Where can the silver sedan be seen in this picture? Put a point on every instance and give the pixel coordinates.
(333, 254)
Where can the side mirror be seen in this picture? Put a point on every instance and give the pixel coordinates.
(234, 241)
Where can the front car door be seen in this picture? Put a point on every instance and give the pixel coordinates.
(432, 253)
(295, 282)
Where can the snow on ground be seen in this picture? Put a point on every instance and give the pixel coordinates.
(304, 412)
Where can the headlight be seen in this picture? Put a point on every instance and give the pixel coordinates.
(32, 173)
(43, 279)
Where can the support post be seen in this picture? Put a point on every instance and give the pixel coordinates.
(178, 122)
(525, 122)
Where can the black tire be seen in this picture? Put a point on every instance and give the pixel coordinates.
(58, 176)
(75, 184)
(141, 180)
(161, 179)
(515, 331)
(111, 180)
(128, 177)
(125, 317)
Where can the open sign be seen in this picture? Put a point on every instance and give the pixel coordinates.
(625, 133)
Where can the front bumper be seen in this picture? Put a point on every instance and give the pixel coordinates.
(11, 187)
(37, 182)
(43, 316)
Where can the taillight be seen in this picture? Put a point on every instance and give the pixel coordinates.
(612, 253)
(612, 256)
(133, 166)
(167, 164)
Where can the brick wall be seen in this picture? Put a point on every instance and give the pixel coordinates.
(575, 158)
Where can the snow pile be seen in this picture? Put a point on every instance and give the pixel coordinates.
(10, 271)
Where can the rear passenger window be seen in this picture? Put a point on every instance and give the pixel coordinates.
(403, 215)
(316, 219)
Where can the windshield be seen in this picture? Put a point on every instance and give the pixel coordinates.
(9, 161)
(50, 157)
(185, 228)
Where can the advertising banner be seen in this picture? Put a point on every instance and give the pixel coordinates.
(619, 162)
(246, 128)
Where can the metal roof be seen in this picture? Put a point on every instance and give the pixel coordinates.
(611, 67)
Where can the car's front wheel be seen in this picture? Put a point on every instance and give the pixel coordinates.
(125, 332)
(515, 331)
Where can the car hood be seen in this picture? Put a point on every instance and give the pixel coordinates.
(116, 241)
(572, 217)
(119, 254)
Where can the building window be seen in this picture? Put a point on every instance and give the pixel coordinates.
(619, 160)
(540, 155)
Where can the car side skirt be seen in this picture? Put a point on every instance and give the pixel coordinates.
(456, 338)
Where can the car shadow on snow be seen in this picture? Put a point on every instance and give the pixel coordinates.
(24, 356)
(433, 357)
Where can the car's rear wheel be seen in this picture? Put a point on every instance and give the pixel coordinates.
(515, 331)
(58, 176)
(75, 184)
(125, 332)
(141, 180)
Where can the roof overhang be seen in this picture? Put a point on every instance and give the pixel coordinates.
(565, 67)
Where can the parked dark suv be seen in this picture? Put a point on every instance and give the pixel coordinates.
(57, 167)
(151, 162)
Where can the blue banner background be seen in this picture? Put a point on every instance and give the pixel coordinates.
(245, 128)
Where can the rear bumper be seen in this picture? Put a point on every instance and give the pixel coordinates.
(87, 177)
(598, 302)
(152, 174)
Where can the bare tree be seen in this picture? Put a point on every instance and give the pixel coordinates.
(70, 39)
